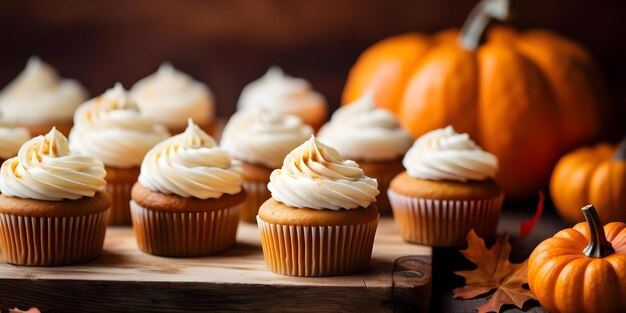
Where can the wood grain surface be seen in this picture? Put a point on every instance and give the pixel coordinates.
(125, 279)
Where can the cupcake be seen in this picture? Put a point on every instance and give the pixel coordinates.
(53, 208)
(278, 92)
(321, 219)
(111, 129)
(448, 189)
(260, 140)
(371, 137)
(170, 97)
(38, 99)
(187, 200)
(11, 139)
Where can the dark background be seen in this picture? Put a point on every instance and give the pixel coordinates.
(229, 43)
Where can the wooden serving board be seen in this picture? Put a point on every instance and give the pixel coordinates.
(125, 279)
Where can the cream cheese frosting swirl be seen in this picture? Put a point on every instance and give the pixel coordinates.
(444, 154)
(360, 131)
(111, 129)
(46, 169)
(278, 92)
(38, 94)
(191, 164)
(11, 139)
(170, 97)
(315, 176)
(262, 137)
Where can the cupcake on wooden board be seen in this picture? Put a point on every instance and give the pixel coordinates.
(188, 197)
(373, 138)
(281, 93)
(447, 190)
(111, 129)
(170, 97)
(261, 139)
(321, 219)
(38, 99)
(53, 208)
(11, 139)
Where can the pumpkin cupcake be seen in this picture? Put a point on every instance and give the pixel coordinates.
(187, 200)
(170, 97)
(11, 139)
(111, 129)
(371, 137)
(278, 92)
(260, 140)
(321, 219)
(38, 99)
(447, 190)
(53, 208)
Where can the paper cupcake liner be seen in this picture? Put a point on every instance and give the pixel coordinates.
(317, 250)
(120, 202)
(184, 233)
(444, 223)
(382, 200)
(52, 241)
(257, 193)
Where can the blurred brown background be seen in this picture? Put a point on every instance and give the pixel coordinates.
(229, 43)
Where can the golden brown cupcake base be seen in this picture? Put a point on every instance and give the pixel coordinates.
(120, 181)
(450, 190)
(63, 126)
(255, 182)
(384, 172)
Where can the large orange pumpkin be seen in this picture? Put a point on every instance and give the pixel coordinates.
(581, 269)
(526, 97)
(591, 175)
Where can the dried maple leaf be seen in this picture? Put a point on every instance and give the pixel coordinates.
(494, 271)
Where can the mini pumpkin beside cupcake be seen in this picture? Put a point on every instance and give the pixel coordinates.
(278, 92)
(11, 139)
(371, 137)
(261, 139)
(321, 219)
(447, 190)
(170, 97)
(111, 129)
(53, 208)
(187, 200)
(38, 99)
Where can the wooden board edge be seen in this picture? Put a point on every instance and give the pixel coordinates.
(412, 283)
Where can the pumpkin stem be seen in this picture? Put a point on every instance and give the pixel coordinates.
(598, 246)
(477, 21)
(620, 154)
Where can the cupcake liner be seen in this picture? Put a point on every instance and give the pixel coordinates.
(52, 241)
(444, 223)
(120, 202)
(317, 250)
(382, 200)
(257, 193)
(184, 233)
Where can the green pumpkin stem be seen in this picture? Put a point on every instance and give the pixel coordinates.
(620, 154)
(598, 246)
(476, 23)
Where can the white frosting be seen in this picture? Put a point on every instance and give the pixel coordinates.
(111, 129)
(38, 94)
(278, 92)
(359, 131)
(262, 137)
(191, 165)
(170, 97)
(46, 169)
(11, 139)
(443, 154)
(315, 176)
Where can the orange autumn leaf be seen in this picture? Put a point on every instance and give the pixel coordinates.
(494, 271)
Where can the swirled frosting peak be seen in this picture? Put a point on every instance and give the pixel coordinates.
(315, 176)
(444, 154)
(46, 169)
(111, 129)
(263, 137)
(39, 94)
(360, 131)
(11, 139)
(191, 164)
(170, 97)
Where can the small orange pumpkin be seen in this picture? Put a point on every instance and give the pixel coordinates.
(591, 175)
(581, 269)
(525, 97)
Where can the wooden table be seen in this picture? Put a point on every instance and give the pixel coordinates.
(125, 279)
